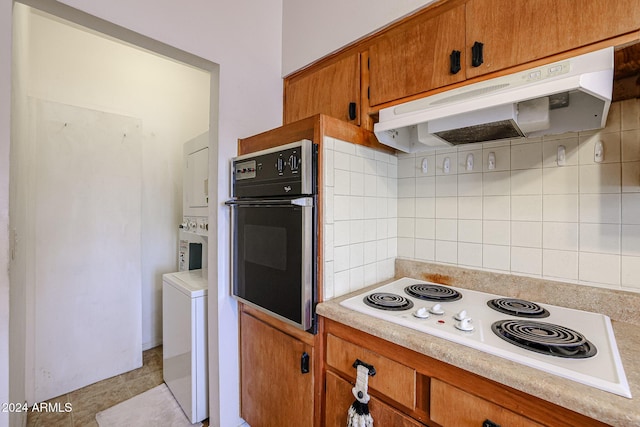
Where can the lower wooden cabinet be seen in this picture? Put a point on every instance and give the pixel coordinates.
(451, 406)
(339, 398)
(274, 391)
(411, 389)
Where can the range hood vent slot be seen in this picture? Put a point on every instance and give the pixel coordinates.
(503, 129)
(567, 96)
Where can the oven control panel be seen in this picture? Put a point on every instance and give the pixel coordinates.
(286, 170)
(245, 170)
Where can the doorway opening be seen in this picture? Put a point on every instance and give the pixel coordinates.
(99, 117)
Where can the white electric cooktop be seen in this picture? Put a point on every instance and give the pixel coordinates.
(574, 344)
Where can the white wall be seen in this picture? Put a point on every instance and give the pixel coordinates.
(5, 126)
(250, 101)
(313, 29)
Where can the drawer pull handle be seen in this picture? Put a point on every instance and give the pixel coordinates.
(489, 423)
(371, 368)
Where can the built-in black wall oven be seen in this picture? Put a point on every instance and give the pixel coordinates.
(274, 231)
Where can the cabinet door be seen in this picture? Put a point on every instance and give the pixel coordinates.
(451, 406)
(339, 398)
(516, 32)
(328, 90)
(414, 57)
(274, 391)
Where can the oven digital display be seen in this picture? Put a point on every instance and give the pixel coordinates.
(245, 170)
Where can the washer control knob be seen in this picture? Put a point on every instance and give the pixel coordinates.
(421, 313)
(461, 315)
(465, 324)
(436, 309)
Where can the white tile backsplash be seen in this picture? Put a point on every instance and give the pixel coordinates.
(631, 177)
(600, 208)
(578, 223)
(560, 264)
(361, 212)
(526, 156)
(526, 261)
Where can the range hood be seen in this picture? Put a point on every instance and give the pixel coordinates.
(566, 96)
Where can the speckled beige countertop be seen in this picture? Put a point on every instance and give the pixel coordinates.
(622, 307)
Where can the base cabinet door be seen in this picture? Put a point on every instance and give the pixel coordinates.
(274, 390)
(339, 398)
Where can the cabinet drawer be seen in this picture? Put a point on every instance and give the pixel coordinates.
(340, 398)
(451, 406)
(392, 379)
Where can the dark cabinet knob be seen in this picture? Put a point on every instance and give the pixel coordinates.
(476, 54)
(489, 423)
(352, 111)
(454, 60)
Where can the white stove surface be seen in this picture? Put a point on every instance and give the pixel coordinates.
(603, 370)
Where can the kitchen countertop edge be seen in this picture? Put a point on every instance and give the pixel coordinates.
(594, 403)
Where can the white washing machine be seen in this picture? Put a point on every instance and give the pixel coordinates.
(184, 336)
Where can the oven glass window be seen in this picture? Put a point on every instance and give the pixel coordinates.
(269, 256)
(259, 244)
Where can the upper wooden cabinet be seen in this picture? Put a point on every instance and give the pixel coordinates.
(415, 56)
(412, 57)
(329, 90)
(516, 32)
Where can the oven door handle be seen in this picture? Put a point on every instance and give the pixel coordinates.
(300, 201)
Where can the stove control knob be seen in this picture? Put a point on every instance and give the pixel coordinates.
(436, 309)
(421, 313)
(461, 315)
(465, 324)
(293, 162)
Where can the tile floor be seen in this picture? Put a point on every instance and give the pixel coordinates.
(88, 401)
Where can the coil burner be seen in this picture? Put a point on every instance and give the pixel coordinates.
(432, 292)
(388, 301)
(545, 338)
(518, 307)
